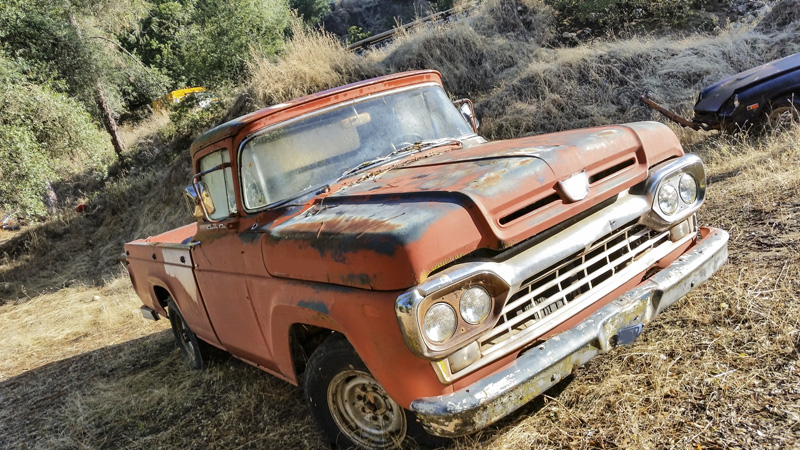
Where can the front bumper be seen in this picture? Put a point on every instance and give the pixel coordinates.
(486, 401)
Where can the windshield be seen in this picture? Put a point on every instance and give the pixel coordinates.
(317, 149)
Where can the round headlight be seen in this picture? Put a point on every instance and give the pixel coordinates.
(668, 199)
(687, 188)
(475, 305)
(440, 322)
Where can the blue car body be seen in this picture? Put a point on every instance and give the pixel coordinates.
(748, 97)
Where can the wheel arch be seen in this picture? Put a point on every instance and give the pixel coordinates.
(304, 339)
(792, 95)
(162, 295)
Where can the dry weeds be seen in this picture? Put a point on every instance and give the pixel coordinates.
(313, 61)
(719, 370)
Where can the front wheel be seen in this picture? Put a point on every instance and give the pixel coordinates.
(782, 114)
(349, 406)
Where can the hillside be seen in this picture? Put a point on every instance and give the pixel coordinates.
(80, 368)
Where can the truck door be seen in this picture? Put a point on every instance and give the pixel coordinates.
(220, 267)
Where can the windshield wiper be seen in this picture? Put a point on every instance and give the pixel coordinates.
(412, 148)
(317, 190)
(425, 145)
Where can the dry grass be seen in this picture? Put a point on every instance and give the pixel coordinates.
(134, 132)
(313, 61)
(718, 370)
(70, 322)
(471, 55)
(601, 83)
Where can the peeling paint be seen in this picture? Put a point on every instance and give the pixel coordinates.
(314, 305)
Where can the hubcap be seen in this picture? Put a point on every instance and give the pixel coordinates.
(364, 412)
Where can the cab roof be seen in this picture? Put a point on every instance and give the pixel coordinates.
(315, 101)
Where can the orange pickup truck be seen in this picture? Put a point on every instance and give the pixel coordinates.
(419, 281)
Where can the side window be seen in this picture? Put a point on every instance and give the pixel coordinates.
(220, 184)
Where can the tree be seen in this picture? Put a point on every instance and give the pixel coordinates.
(58, 42)
(312, 11)
(208, 42)
(223, 35)
(44, 135)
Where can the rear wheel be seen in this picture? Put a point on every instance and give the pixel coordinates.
(351, 409)
(185, 338)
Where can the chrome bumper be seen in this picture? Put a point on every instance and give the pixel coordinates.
(486, 401)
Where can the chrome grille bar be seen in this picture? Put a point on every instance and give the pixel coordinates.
(564, 283)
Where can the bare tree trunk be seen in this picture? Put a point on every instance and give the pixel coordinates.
(105, 111)
(109, 122)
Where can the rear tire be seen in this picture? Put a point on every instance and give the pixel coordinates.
(185, 338)
(351, 409)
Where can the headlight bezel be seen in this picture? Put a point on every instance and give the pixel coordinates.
(414, 305)
(670, 173)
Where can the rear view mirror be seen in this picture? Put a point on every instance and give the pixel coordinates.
(467, 110)
(193, 200)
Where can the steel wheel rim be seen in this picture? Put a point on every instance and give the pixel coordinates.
(364, 412)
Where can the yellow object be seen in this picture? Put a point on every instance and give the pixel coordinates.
(174, 97)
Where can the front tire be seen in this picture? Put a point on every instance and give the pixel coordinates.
(783, 113)
(185, 338)
(349, 406)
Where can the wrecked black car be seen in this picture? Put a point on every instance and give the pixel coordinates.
(765, 95)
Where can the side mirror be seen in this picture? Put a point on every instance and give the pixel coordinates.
(201, 205)
(467, 110)
(201, 196)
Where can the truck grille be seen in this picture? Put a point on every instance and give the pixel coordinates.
(568, 282)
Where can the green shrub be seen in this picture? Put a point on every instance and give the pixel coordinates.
(188, 120)
(24, 171)
(312, 11)
(610, 16)
(44, 136)
(356, 33)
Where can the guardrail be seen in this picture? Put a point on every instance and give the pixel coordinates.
(450, 15)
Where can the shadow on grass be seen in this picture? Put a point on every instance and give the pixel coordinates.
(140, 394)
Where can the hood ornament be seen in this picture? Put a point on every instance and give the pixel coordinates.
(574, 188)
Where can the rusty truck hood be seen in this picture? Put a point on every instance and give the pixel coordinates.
(390, 228)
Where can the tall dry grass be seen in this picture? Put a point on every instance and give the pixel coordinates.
(472, 54)
(312, 61)
(598, 84)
